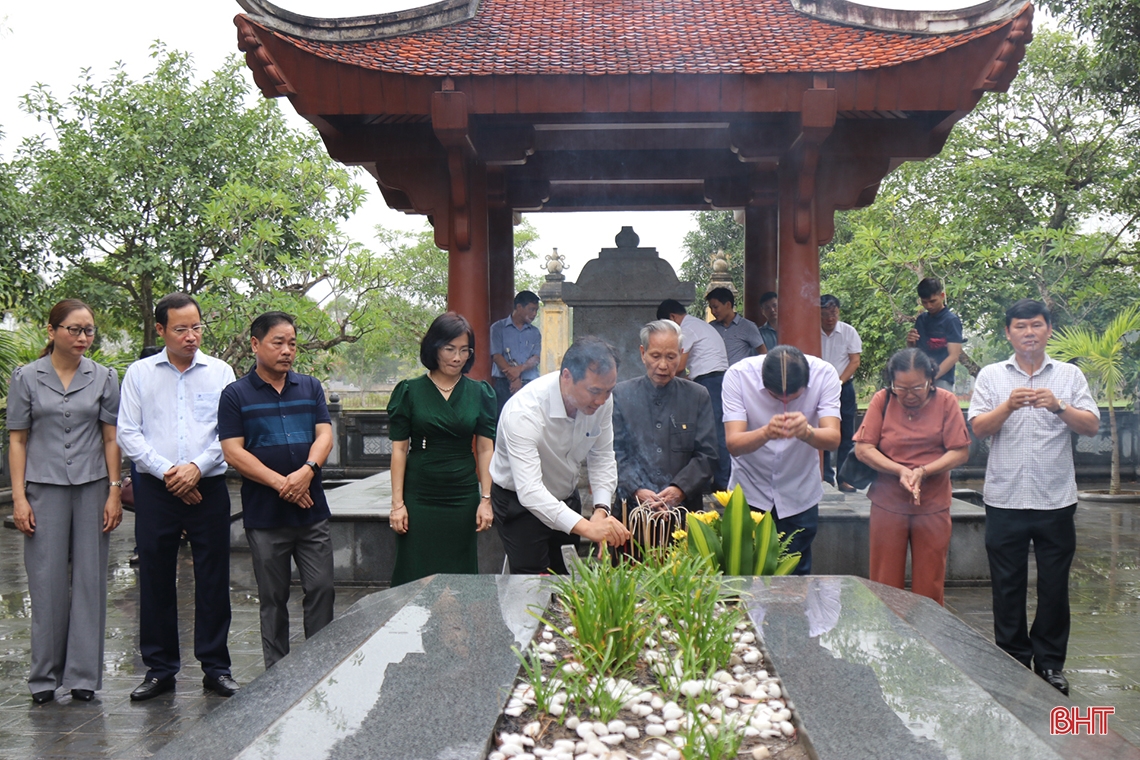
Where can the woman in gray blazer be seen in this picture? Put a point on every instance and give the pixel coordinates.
(65, 467)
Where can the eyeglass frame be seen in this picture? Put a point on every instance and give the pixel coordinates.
(917, 390)
(75, 330)
(180, 332)
(465, 351)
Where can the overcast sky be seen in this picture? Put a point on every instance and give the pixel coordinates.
(53, 47)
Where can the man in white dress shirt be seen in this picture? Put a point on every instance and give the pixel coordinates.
(1031, 404)
(168, 428)
(780, 411)
(545, 432)
(704, 355)
(841, 347)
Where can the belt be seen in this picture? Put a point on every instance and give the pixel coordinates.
(710, 374)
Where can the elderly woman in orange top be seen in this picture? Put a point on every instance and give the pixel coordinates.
(913, 444)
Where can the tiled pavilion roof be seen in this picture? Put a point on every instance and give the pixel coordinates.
(594, 37)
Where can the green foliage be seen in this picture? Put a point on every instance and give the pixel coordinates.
(716, 231)
(1101, 357)
(168, 183)
(1115, 25)
(742, 542)
(19, 233)
(1034, 195)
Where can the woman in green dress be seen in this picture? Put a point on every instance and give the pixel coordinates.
(441, 491)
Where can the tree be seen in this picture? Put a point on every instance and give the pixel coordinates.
(165, 183)
(1101, 357)
(716, 231)
(1035, 194)
(18, 239)
(1115, 25)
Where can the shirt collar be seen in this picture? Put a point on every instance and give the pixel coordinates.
(199, 358)
(555, 405)
(1047, 363)
(259, 382)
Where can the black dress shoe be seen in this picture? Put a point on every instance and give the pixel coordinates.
(42, 697)
(1054, 678)
(151, 688)
(83, 695)
(224, 685)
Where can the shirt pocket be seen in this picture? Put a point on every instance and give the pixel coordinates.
(206, 406)
(683, 438)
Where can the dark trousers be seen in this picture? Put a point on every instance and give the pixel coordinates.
(274, 550)
(160, 518)
(847, 411)
(1054, 537)
(806, 522)
(531, 547)
(713, 382)
(502, 388)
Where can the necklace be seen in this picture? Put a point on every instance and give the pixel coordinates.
(440, 387)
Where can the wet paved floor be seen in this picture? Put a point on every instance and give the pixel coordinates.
(1103, 665)
(112, 726)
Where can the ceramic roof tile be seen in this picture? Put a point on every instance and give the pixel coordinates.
(549, 37)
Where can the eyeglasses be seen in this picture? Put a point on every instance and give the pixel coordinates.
(181, 331)
(75, 331)
(450, 350)
(916, 390)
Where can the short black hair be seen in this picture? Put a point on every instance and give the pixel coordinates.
(267, 321)
(173, 301)
(149, 351)
(798, 372)
(526, 298)
(724, 295)
(909, 359)
(929, 286)
(767, 297)
(1027, 308)
(669, 307)
(826, 301)
(444, 329)
(589, 353)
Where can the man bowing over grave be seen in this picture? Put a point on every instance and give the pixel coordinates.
(664, 434)
(545, 433)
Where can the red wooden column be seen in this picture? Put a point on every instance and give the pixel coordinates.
(761, 254)
(501, 252)
(798, 272)
(467, 274)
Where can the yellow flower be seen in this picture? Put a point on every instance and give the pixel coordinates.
(722, 497)
(708, 518)
(758, 516)
(680, 535)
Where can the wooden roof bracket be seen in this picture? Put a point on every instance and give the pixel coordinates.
(817, 120)
(449, 121)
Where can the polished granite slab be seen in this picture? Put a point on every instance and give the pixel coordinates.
(879, 672)
(419, 671)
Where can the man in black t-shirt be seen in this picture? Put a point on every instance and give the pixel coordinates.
(937, 331)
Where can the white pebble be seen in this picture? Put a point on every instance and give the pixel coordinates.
(673, 754)
(761, 753)
(748, 637)
(655, 729)
(511, 750)
(616, 726)
(731, 703)
(751, 657)
(574, 667)
(672, 726)
(783, 715)
(557, 708)
(586, 731)
(585, 756)
(532, 729)
(762, 675)
(601, 729)
(631, 732)
(722, 676)
(572, 722)
(564, 756)
(496, 756)
(656, 702)
(771, 733)
(563, 745)
(751, 732)
(613, 739)
(547, 635)
(672, 712)
(774, 690)
(641, 710)
(786, 728)
(580, 748)
(596, 748)
(514, 712)
(654, 718)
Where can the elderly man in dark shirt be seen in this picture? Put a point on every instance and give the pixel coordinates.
(664, 437)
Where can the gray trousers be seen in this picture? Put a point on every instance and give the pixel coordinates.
(272, 550)
(69, 609)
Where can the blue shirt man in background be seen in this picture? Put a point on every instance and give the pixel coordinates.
(168, 428)
(516, 348)
(937, 331)
(276, 431)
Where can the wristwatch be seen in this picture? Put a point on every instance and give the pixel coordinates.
(316, 468)
(116, 484)
(602, 507)
(1061, 408)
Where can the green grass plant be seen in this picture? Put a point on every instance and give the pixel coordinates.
(704, 738)
(544, 689)
(610, 621)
